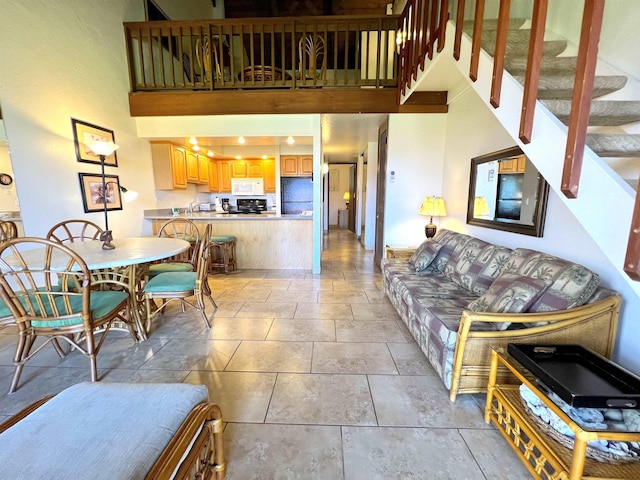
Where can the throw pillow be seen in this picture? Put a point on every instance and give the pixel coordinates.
(424, 255)
(509, 293)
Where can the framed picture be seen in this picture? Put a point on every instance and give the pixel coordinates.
(84, 134)
(92, 194)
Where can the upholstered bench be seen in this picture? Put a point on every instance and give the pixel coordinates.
(115, 431)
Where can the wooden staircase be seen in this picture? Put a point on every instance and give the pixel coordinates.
(555, 91)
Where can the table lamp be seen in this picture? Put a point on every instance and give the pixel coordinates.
(346, 197)
(480, 207)
(432, 207)
(103, 149)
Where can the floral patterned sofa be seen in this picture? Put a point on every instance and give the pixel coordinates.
(461, 296)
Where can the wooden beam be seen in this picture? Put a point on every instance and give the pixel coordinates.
(582, 96)
(317, 100)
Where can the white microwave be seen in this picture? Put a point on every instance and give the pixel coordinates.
(247, 186)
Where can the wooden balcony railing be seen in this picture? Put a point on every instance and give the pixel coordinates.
(336, 51)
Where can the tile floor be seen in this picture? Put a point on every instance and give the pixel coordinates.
(316, 375)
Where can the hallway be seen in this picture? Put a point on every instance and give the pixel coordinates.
(316, 376)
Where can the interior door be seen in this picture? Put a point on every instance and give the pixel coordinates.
(380, 195)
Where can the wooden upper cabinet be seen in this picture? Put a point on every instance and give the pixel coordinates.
(239, 169)
(214, 176)
(203, 169)
(192, 167)
(224, 170)
(269, 169)
(169, 166)
(514, 165)
(255, 169)
(296, 165)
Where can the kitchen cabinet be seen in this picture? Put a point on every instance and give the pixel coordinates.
(239, 169)
(296, 165)
(514, 165)
(224, 178)
(213, 183)
(169, 166)
(269, 170)
(203, 169)
(255, 169)
(192, 167)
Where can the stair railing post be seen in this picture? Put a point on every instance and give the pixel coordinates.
(501, 48)
(459, 27)
(476, 46)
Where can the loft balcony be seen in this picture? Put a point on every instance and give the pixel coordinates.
(330, 64)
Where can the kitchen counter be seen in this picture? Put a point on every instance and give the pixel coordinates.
(263, 241)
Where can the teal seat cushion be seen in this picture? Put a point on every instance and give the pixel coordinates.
(158, 268)
(222, 238)
(101, 431)
(4, 309)
(102, 303)
(171, 282)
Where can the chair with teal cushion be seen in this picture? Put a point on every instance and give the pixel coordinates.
(51, 293)
(183, 229)
(223, 253)
(169, 286)
(74, 231)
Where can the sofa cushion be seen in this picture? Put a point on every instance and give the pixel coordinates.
(451, 242)
(98, 431)
(510, 293)
(571, 284)
(424, 255)
(476, 265)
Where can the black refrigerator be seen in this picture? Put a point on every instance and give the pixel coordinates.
(509, 196)
(297, 195)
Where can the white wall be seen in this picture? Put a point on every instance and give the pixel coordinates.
(43, 85)
(371, 192)
(472, 130)
(415, 155)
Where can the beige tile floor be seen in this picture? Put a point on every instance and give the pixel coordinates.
(316, 375)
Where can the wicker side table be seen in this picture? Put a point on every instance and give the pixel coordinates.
(545, 457)
(402, 253)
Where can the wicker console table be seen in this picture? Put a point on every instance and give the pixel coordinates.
(402, 253)
(543, 456)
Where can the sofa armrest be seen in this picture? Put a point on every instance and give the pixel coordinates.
(592, 326)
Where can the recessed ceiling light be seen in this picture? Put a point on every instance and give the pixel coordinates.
(196, 148)
(264, 157)
(241, 140)
(238, 157)
(290, 140)
(210, 153)
(193, 141)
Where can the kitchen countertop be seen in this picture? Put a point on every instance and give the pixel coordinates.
(165, 214)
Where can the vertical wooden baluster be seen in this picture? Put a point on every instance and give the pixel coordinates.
(263, 64)
(432, 26)
(335, 54)
(171, 56)
(413, 44)
(632, 257)
(532, 79)
(459, 27)
(582, 95)
(424, 49)
(294, 48)
(501, 47)
(442, 29)
(477, 40)
(346, 52)
(141, 56)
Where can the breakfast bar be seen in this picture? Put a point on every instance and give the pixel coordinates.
(264, 241)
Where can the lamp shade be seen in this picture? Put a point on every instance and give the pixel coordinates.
(346, 196)
(102, 148)
(433, 207)
(480, 207)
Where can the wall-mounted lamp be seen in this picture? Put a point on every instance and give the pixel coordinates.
(346, 197)
(127, 195)
(103, 150)
(432, 207)
(325, 168)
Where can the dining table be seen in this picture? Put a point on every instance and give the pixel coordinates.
(127, 261)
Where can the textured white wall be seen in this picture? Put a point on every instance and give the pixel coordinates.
(416, 155)
(372, 186)
(64, 59)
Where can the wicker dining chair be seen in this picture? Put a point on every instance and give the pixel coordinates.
(74, 231)
(50, 293)
(312, 58)
(8, 230)
(183, 229)
(180, 286)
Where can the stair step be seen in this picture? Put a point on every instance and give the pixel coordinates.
(612, 145)
(561, 86)
(513, 36)
(517, 65)
(492, 24)
(550, 48)
(603, 112)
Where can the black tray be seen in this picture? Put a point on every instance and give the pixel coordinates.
(579, 376)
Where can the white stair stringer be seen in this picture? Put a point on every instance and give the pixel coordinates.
(601, 189)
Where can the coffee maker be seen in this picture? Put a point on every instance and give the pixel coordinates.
(225, 205)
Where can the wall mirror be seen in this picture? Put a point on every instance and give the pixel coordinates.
(506, 192)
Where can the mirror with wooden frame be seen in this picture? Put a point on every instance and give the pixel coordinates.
(506, 192)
